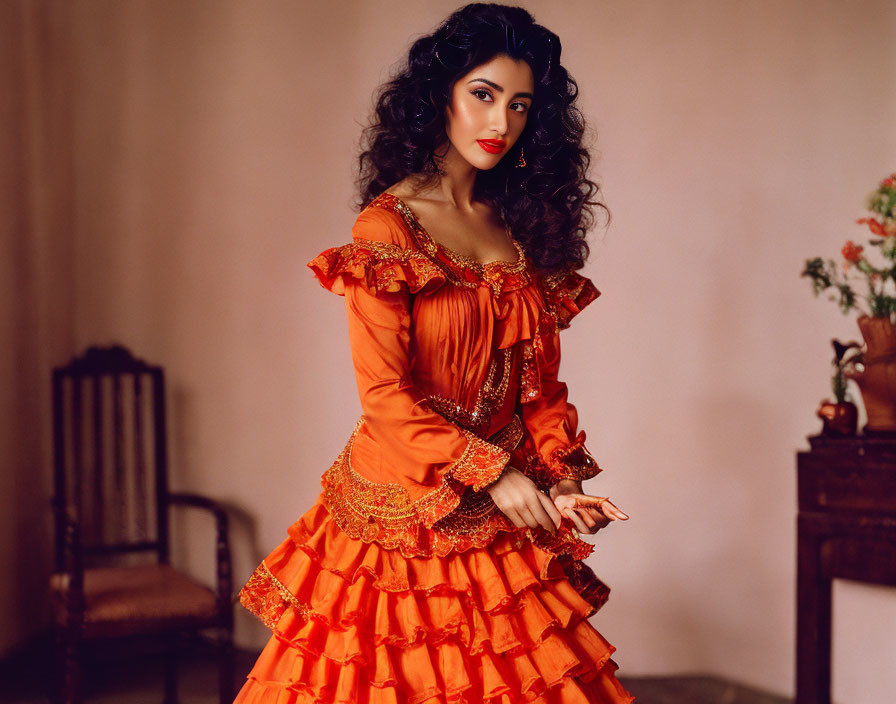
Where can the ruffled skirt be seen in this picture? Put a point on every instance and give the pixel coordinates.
(354, 623)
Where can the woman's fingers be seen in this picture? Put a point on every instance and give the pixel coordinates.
(514, 517)
(586, 517)
(612, 512)
(552, 511)
(573, 515)
(535, 515)
(528, 507)
(601, 521)
(585, 503)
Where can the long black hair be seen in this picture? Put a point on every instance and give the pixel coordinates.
(548, 203)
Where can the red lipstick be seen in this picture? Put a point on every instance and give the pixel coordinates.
(492, 146)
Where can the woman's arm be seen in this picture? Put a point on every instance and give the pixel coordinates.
(553, 421)
(415, 447)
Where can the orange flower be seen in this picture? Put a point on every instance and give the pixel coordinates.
(852, 252)
(873, 225)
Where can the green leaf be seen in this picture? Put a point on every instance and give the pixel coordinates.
(847, 298)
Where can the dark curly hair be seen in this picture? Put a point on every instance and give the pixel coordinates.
(548, 203)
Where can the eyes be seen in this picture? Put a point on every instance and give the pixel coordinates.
(486, 97)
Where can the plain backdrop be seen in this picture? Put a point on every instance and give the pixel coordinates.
(169, 167)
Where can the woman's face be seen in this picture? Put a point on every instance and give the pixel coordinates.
(488, 110)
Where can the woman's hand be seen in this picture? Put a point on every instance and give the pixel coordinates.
(587, 519)
(522, 502)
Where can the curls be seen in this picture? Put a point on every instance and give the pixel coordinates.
(549, 204)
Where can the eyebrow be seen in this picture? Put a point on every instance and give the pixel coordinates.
(519, 94)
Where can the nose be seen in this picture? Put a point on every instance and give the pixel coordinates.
(499, 119)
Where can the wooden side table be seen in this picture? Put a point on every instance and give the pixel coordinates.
(846, 529)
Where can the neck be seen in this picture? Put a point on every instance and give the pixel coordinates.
(457, 178)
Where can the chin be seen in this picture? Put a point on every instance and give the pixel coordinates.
(486, 162)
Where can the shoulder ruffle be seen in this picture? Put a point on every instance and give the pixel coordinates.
(566, 294)
(379, 266)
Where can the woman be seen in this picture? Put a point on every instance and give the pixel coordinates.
(441, 562)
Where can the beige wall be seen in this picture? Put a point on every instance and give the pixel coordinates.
(36, 296)
(174, 165)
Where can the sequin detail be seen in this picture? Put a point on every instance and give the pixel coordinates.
(453, 517)
(268, 598)
(530, 377)
(380, 266)
(384, 512)
(490, 399)
(566, 293)
(573, 461)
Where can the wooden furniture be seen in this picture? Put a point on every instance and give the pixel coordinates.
(112, 582)
(846, 529)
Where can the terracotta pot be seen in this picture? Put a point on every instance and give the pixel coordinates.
(877, 380)
(838, 418)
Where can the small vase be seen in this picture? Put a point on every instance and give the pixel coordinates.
(877, 380)
(838, 418)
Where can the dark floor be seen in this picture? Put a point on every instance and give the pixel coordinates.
(138, 680)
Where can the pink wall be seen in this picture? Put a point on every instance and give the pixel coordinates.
(198, 154)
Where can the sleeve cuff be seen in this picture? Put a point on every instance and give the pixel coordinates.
(573, 461)
(480, 464)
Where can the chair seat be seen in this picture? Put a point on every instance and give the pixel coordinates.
(122, 601)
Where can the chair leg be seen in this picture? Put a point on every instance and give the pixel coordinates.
(68, 668)
(226, 669)
(172, 653)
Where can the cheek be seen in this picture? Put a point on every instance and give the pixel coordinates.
(463, 117)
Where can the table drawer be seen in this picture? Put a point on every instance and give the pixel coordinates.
(822, 486)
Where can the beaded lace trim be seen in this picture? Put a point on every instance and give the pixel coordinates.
(385, 514)
(574, 461)
(379, 265)
(268, 598)
(566, 292)
(465, 271)
(457, 516)
(489, 400)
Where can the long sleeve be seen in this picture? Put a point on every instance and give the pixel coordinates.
(550, 418)
(418, 445)
(412, 446)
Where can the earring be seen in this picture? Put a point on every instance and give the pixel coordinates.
(522, 162)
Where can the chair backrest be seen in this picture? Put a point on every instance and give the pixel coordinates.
(110, 455)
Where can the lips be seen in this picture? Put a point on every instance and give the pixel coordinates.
(492, 146)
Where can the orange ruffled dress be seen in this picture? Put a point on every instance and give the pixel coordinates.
(404, 583)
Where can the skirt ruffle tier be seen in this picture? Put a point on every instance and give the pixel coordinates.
(354, 623)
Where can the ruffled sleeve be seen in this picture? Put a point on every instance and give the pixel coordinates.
(550, 418)
(566, 293)
(418, 449)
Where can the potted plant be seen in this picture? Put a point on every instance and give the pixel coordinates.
(841, 417)
(850, 279)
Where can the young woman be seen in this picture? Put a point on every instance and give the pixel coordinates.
(442, 562)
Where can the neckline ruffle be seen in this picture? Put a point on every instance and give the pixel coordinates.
(501, 276)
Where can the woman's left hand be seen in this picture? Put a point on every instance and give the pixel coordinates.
(587, 519)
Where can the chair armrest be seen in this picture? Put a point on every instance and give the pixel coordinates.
(222, 543)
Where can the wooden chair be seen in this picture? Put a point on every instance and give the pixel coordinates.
(112, 581)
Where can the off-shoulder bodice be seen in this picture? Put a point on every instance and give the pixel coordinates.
(456, 362)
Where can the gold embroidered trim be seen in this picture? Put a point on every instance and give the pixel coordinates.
(530, 379)
(452, 517)
(462, 271)
(480, 464)
(574, 461)
(566, 293)
(381, 266)
(268, 598)
(489, 400)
